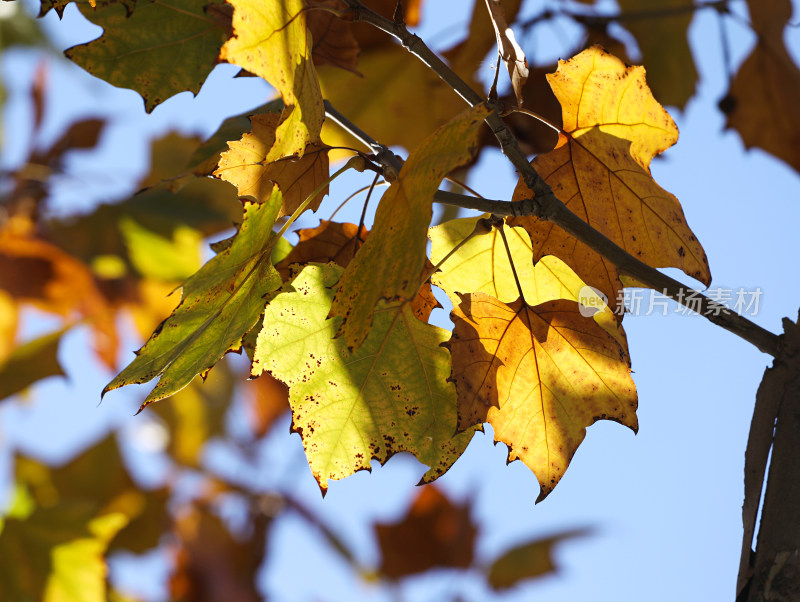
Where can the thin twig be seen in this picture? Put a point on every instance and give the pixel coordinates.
(545, 205)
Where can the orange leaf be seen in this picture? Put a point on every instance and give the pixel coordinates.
(334, 43)
(600, 170)
(330, 241)
(246, 166)
(434, 533)
(539, 375)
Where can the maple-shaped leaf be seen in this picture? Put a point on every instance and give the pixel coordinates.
(600, 170)
(211, 564)
(271, 40)
(390, 262)
(527, 561)
(671, 74)
(334, 42)
(762, 101)
(57, 554)
(220, 304)
(330, 241)
(509, 50)
(482, 265)
(245, 165)
(539, 375)
(388, 396)
(156, 48)
(98, 478)
(30, 363)
(434, 533)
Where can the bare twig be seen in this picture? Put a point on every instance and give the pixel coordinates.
(545, 205)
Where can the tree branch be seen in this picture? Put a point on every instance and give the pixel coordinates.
(545, 205)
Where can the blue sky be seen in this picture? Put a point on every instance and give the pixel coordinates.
(664, 505)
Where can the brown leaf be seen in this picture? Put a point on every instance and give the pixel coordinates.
(37, 272)
(245, 165)
(510, 51)
(539, 375)
(435, 533)
(334, 42)
(330, 241)
(211, 564)
(266, 399)
(762, 102)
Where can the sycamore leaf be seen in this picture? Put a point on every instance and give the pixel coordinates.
(220, 304)
(481, 265)
(211, 564)
(246, 166)
(196, 413)
(330, 241)
(509, 50)
(98, 477)
(600, 169)
(139, 49)
(434, 533)
(762, 102)
(671, 74)
(390, 262)
(334, 42)
(539, 375)
(271, 40)
(390, 395)
(56, 554)
(527, 561)
(30, 363)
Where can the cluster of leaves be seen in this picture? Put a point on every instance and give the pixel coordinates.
(338, 327)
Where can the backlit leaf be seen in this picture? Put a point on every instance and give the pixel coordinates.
(600, 170)
(390, 395)
(220, 303)
(334, 43)
(539, 375)
(330, 241)
(509, 50)
(389, 264)
(271, 40)
(481, 265)
(245, 165)
(158, 49)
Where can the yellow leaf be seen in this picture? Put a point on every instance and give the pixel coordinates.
(391, 261)
(246, 166)
(539, 375)
(271, 40)
(600, 170)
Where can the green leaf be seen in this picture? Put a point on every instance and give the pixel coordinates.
(29, 363)
(389, 264)
(158, 48)
(56, 555)
(220, 303)
(159, 257)
(527, 561)
(388, 396)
